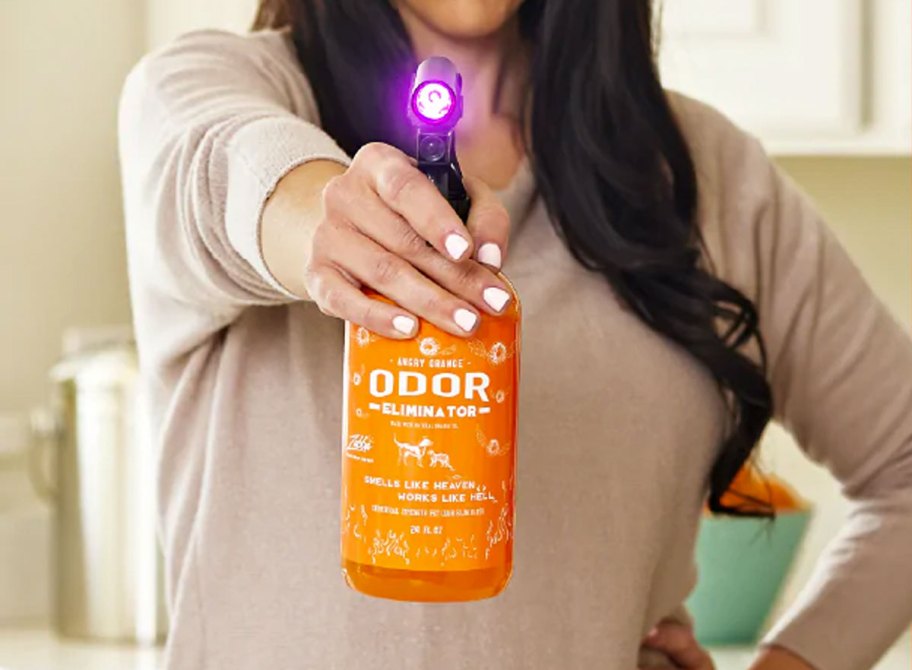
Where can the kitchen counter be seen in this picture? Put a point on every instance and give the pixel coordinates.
(39, 650)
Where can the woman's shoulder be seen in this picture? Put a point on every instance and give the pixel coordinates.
(718, 145)
(734, 172)
(260, 63)
(272, 46)
(738, 185)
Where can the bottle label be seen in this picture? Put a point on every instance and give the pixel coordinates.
(429, 448)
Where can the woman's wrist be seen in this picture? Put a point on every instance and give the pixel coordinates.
(290, 216)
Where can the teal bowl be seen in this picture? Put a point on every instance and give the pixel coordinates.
(742, 566)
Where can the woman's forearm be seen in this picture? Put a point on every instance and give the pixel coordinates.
(289, 218)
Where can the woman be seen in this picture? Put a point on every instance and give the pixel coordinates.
(677, 290)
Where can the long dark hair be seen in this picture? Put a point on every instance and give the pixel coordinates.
(609, 159)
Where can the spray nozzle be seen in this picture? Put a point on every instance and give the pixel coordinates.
(435, 107)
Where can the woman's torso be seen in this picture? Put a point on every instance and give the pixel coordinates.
(617, 430)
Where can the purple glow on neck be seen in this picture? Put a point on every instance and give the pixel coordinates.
(433, 101)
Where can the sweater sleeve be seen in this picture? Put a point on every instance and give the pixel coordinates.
(841, 372)
(207, 127)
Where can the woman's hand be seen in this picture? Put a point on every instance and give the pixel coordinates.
(779, 658)
(678, 643)
(381, 223)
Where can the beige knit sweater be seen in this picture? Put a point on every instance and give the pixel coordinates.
(618, 426)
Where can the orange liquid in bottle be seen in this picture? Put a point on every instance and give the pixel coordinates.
(428, 461)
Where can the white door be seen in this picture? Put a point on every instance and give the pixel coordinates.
(781, 68)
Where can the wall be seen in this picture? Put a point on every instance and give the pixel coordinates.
(61, 238)
(166, 19)
(869, 205)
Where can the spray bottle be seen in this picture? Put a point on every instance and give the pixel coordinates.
(429, 435)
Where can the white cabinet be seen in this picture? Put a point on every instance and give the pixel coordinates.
(807, 76)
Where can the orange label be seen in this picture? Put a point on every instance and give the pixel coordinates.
(429, 447)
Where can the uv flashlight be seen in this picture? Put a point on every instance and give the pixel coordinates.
(434, 108)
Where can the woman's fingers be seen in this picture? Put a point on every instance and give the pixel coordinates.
(337, 296)
(386, 226)
(408, 192)
(489, 223)
(468, 279)
(481, 287)
(396, 278)
(677, 641)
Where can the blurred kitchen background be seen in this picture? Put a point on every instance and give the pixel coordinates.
(824, 83)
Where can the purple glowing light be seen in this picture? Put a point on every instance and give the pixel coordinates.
(433, 101)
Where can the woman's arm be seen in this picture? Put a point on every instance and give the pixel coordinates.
(208, 126)
(841, 371)
(235, 197)
(291, 217)
(777, 658)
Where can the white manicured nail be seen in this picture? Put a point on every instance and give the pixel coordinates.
(456, 245)
(404, 324)
(465, 319)
(489, 254)
(496, 298)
